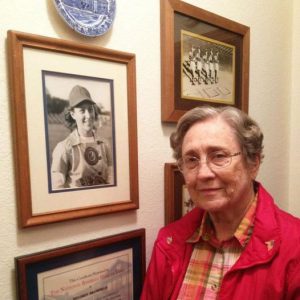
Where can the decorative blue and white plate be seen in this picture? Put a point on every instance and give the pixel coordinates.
(87, 17)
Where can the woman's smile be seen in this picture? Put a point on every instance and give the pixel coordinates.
(209, 191)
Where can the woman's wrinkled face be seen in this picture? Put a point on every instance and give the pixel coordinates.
(84, 116)
(216, 188)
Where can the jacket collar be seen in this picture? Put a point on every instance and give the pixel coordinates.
(262, 247)
(242, 234)
(265, 240)
(74, 137)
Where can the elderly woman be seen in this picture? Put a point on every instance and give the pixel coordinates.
(84, 158)
(236, 243)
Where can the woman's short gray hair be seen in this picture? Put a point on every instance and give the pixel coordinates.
(247, 131)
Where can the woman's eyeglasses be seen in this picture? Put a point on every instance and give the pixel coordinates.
(216, 159)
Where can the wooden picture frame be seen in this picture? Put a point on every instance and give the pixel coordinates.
(177, 200)
(204, 60)
(112, 265)
(33, 60)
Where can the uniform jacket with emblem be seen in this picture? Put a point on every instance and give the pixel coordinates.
(73, 167)
(268, 268)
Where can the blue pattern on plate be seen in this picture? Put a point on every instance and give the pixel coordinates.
(87, 17)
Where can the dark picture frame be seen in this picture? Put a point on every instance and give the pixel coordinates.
(204, 60)
(111, 265)
(177, 200)
(29, 55)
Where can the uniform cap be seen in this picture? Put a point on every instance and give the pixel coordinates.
(79, 94)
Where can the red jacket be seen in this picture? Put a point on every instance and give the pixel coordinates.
(268, 268)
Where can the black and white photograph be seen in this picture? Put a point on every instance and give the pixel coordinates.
(187, 202)
(177, 199)
(208, 69)
(79, 122)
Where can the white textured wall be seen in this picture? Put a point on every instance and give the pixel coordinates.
(294, 175)
(137, 29)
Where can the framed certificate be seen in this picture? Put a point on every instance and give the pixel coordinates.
(106, 268)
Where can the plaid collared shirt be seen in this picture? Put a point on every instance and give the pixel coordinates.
(211, 259)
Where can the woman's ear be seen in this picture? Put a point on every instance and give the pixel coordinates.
(72, 114)
(254, 167)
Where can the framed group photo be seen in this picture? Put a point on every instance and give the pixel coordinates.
(107, 268)
(204, 60)
(75, 131)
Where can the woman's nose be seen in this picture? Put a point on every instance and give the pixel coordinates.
(87, 113)
(204, 171)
